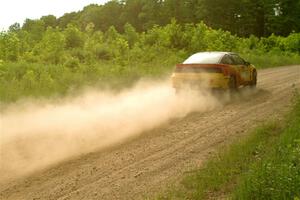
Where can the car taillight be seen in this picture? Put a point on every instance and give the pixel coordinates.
(225, 71)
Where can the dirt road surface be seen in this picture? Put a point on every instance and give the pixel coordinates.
(144, 165)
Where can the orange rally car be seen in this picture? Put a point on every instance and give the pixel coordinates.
(222, 70)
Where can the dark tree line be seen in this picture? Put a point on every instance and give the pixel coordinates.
(242, 17)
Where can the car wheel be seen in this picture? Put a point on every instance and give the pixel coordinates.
(254, 79)
(232, 83)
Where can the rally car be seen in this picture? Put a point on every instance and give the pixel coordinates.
(220, 70)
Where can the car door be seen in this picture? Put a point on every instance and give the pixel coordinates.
(242, 68)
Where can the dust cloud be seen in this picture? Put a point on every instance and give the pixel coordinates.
(35, 135)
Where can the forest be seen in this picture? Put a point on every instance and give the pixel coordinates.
(115, 44)
(244, 18)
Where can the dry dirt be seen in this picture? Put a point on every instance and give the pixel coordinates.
(144, 164)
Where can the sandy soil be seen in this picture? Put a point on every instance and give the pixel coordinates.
(145, 164)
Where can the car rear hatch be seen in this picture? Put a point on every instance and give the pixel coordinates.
(197, 74)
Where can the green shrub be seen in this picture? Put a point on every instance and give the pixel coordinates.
(103, 52)
(74, 37)
(72, 63)
(292, 42)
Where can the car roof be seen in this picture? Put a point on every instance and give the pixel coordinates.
(209, 57)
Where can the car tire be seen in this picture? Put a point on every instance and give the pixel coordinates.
(254, 79)
(232, 83)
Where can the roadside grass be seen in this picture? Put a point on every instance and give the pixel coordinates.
(272, 59)
(264, 165)
(277, 176)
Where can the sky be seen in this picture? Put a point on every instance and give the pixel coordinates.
(12, 11)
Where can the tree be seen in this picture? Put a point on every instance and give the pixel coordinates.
(16, 27)
(10, 46)
(102, 16)
(131, 11)
(49, 21)
(182, 11)
(74, 37)
(91, 14)
(51, 48)
(68, 18)
(286, 18)
(110, 16)
(130, 34)
(111, 34)
(35, 28)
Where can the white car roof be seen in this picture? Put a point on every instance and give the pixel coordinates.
(205, 58)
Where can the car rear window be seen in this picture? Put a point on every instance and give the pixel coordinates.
(204, 58)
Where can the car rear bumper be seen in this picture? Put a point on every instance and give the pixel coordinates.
(200, 80)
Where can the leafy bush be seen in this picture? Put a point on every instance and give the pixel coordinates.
(292, 42)
(72, 63)
(74, 37)
(103, 52)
